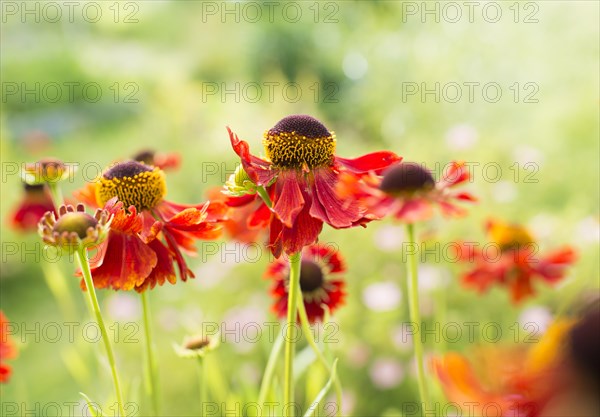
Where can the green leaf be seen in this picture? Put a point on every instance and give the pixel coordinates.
(323, 391)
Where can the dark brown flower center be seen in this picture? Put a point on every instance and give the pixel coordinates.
(34, 189)
(196, 343)
(297, 141)
(405, 178)
(133, 183)
(77, 222)
(311, 276)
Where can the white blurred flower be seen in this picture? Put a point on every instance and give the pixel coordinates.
(461, 136)
(402, 338)
(355, 66)
(382, 296)
(243, 327)
(504, 192)
(389, 238)
(386, 373)
(358, 355)
(432, 277)
(535, 320)
(348, 402)
(588, 230)
(542, 226)
(526, 154)
(123, 306)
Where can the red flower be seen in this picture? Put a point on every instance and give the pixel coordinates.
(300, 176)
(35, 203)
(407, 191)
(320, 281)
(7, 349)
(164, 161)
(151, 234)
(512, 261)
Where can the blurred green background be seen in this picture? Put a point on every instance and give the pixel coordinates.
(170, 75)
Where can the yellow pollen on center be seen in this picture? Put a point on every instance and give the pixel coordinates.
(292, 150)
(143, 190)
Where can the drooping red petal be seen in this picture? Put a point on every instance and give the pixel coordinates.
(376, 162)
(123, 263)
(259, 170)
(290, 201)
(163, 271)
(305, 232)
(338, 214)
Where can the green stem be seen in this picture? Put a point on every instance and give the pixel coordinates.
(93, 299)
(151, 368)
(264, 195)
(203, 383)
(415, 316)
(270, 370)
(56, 195)
(292, 315)
(311, 341)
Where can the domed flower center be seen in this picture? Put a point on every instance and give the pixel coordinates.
(133, 183)
(77, 222)
(196, 343)
(509, 236)
(406, 178)
(297, 141)
(311, 276)
(46, 170)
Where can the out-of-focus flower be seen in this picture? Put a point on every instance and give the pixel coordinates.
(148, 233)
(320, 282)
(74, 228)
(407, 191)
(197, 346)
(164, 161)
(512, 261)
(513, 381)
(36, 201)
(7, 349)
(46, 171)
(299, 176)
(244, 222)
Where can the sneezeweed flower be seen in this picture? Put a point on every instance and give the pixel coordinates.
(408, 192)
(528, 380)
(35, 202)
(164, 161)
(8, 349)
(321, 282)
(514, 262)
(73, 228)
(197, 346)
(149, 233)
(299, 174)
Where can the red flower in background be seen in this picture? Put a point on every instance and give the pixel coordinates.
(407, 191)
(7, 349)
(513, 261)
(164, 161)
(300, 176)
(148, 234)
(36, 201)
(320, 281)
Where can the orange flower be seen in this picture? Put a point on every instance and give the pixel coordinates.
(505, 381)
(517, 263)
(407, 191)
(7, 349)
(148, 233)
